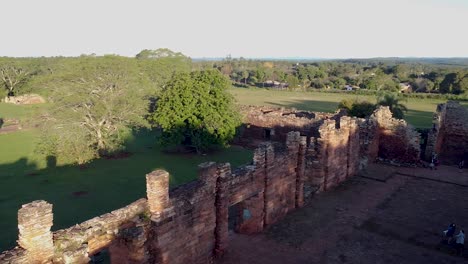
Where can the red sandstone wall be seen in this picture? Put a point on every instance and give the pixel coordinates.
(183, 231)
(334, 156)
(186, 225)
(280, 184)
(266, 190)
(449, 134)
(392, 139)
(280, 122)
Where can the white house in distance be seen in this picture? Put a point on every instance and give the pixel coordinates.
(405, 88)
(349, 87)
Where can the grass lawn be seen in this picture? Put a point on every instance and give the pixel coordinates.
(80, 194)
(21, 112)
(419, 114)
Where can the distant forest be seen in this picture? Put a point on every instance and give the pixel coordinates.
(409, 75)
(154, 67)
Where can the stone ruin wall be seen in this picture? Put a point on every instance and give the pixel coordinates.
(337, 146)
(188, 224)
(332, 157)
(391, 139)
(449, 134)
(280, 121)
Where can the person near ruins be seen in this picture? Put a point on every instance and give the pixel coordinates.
(460, 242)
(434, 162)
(448, 234)
(461, 164)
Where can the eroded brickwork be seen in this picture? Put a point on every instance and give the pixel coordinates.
(338, 146)
(396, 140)
(34, 222)
(188, 224)
(449, 133)
(334, 155)
(267, 123)
(184, 232)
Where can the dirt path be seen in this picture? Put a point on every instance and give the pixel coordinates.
(396, 220)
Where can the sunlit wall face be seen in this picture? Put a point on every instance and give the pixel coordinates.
(260, 28)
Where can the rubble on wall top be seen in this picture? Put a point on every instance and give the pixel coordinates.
(289, 113)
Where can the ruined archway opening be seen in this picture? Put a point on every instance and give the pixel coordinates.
(267, 134)
(101, 257)
(234, 218)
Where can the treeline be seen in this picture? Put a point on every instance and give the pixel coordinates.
(358, 74)
(25, 75)
(40, 75)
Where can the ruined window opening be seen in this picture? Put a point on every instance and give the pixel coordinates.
(101, 257)
(246, 214)
(267, 134)
(234, 218)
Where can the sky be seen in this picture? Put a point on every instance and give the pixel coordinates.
(248, 28)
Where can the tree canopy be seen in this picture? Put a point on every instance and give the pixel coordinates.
(14, 75)
(94, 109)
(195, 110)
(357, 108)
(394, 103)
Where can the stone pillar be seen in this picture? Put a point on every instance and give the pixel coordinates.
(434, 138)
(259, 158)
(292, 141)
(327, 152)
(34, 222)
(270, 192)
(157, 190)
(222, 207)
(300, 172)
(208, 172)
(353, 149)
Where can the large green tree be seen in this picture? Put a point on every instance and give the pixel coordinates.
(448, 83)
(357, 108)
(159, 65)
(393, 101)
(94, 108)
(13, 78)
(196, 111)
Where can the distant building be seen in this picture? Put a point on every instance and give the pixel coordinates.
(405, 88)
(349, 87)
(276, 85)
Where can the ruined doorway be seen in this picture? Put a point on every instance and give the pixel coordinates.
(246, 217)
(101, 257)
(267, 134)
(234, 217)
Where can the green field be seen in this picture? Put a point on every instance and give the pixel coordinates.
(78, 194)
(419, 111)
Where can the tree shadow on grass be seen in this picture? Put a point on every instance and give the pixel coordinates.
(307, 105)
(80, 193)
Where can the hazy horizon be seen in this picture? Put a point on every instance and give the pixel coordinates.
(315, 29)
